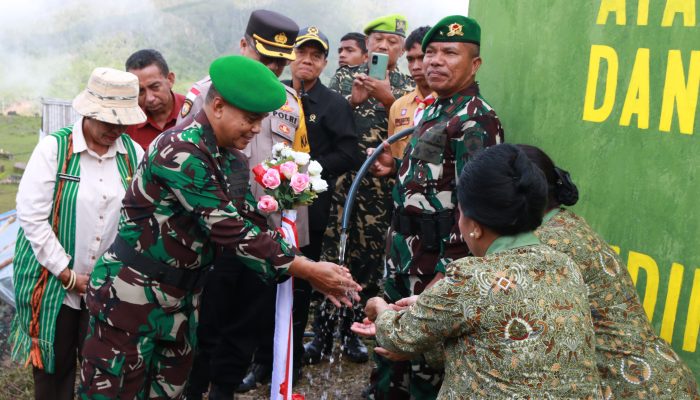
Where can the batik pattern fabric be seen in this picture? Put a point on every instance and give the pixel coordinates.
(632, 360)
(514, 324)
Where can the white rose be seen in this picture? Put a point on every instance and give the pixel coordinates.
(319, 185)
(287, 152)
(301, 158)
(277, 148)
(314, 168)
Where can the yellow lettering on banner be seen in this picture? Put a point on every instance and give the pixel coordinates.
(637, 99)
(692, 323)
(616, 249)
(635, 261)
(674, 290)
(598, 54)
(608, 6)
(673, 7)
(642, 12)
(680, 93)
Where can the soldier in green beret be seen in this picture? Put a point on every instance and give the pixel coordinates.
(226, 345)
(424, 236)
(371, 100)
(189, 200)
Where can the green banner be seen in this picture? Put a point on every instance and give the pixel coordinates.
(609, 88)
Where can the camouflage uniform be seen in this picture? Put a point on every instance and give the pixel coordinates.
(177, 214)
(515, 324)
(632, 361)
(451, 132)
(221, 352)
(371, 217)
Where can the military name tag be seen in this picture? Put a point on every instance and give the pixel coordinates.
(67, 177)
(431, 144)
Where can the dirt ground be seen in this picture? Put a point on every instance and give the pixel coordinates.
(336, 380)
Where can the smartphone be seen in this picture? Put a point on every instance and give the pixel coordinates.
(377, 66)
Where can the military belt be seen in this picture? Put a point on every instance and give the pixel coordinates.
(430, 228)
(185, 279)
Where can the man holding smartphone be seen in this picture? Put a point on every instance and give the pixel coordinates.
(371, 100)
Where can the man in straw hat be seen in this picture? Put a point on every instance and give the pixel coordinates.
(68, 208)
(187, 202)
(424, 236)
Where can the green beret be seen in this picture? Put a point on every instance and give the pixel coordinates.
(455, 28)
(394, 23)
(247, 84)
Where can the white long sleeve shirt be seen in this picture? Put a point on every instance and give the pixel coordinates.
(100, 194)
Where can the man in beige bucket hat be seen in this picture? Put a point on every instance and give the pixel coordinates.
(68, 206)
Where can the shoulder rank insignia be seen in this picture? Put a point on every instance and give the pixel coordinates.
(455, 30)
(286, 107)
(186, 108)
(281, 38)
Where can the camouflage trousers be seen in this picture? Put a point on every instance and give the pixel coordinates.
(404, 380)
(140, 339)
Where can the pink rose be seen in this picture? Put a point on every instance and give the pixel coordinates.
(268, 204)
(299, 182)
(288, 169)
(271, 179)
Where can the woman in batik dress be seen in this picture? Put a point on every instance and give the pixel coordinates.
(632, 361)
(514, 320)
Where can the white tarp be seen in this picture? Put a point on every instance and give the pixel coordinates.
(8, 235)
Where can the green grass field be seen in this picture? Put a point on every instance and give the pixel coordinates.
(18, 135)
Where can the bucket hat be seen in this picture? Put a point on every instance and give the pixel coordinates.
(111, 96)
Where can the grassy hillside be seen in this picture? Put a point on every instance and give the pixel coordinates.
(18, 136)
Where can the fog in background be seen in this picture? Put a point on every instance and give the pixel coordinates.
(49, 47)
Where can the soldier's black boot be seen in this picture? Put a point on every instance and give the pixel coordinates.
(322, 344)
(259, 373)
(353, 348)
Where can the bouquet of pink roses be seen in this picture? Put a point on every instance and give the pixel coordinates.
(290, 179)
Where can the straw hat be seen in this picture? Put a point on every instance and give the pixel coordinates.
(111, 96)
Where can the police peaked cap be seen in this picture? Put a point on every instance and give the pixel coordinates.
(273, 34)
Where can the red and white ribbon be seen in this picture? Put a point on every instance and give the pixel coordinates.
(283, 356)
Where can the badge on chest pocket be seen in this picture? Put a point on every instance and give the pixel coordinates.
(284, 126)
(431, 144)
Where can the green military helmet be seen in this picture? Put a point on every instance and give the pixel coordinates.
(247, 84)
(455, 28)
(394, 23)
